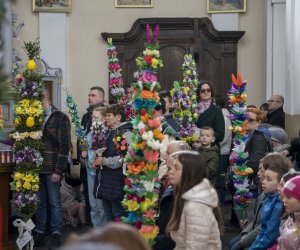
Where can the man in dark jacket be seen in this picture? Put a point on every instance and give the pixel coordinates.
(57, 141)
(96, 99)
(276, 115)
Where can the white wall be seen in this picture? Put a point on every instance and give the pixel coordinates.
(86, 60)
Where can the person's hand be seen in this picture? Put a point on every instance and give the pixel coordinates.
(97, 162)
(55, 178)
(243, 223)
(285, 153)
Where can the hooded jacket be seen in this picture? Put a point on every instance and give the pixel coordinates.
(198, 228)
(211, 157)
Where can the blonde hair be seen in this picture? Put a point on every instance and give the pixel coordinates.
(120, 234)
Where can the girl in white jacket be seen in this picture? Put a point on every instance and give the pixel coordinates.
(193, 224)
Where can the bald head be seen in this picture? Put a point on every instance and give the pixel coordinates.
(275, 102)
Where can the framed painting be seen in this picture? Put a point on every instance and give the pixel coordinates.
(226, 6)
(134, 3)
(51, 5)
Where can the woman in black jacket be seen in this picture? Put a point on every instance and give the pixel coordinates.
(209, 114)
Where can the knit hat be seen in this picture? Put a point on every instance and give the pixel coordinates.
(278, 135)
(292, 188)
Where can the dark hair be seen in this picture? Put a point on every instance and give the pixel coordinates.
(277, 163)
(276, 160)
(100, 89)
(251, 106)
(165, 94)
(161, 105)
(212, 91)
(117, 109)
(264, 106)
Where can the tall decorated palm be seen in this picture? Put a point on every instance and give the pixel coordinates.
(237, 98)
(185, 101)
(28, 135)
(115, 77)
(142, 183)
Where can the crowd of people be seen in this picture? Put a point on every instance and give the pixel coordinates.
(193, 178)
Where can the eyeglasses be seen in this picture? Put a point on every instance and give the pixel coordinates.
(250, 120)
(273, 101)
(205, 90)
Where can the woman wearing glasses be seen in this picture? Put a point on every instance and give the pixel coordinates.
(209, 114)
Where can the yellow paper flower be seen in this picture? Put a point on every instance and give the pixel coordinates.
(36, 179)
(31, 65)
(30, 122)
(27, 185)
(17, 121)
(28, 178)
(35, 188)
(18, 176)
(149, 232)
(154, 63)
(24, 103)
(132, 205)
(147, 203)
(18, 184)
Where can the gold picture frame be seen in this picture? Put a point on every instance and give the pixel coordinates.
(51, 5)
(226, 6)
(134, 3)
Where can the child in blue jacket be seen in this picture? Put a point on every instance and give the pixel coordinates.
(271, 209)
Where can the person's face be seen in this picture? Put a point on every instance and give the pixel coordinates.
(291, 204)
(97, 116)
(205, 92)
(270, 183)
(95, 97)
(112, 120)
(206, 137)
(264, 114)
(171, 148)
(261, 172)
(168, 104)
(175, 173)
(251, 122)
(274, 103)
(157, 113)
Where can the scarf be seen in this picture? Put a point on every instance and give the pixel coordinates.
(203, 106)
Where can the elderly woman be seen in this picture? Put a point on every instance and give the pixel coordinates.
(209, 114)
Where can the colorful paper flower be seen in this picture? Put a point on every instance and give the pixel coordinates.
(142, 185)
(238, 158)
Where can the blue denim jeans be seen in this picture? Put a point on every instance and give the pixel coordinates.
(97, 211)
(113, 209)
(49, 194)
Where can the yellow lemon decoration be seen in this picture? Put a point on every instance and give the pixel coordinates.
(31, 65)
(30, 122)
